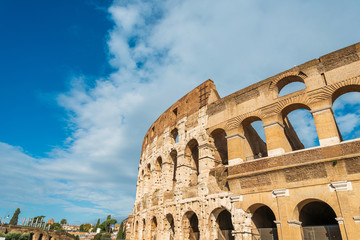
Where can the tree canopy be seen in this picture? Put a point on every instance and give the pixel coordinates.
(63, 221)
(15, 217)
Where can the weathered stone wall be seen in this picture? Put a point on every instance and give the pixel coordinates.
(205, 173)
(36, 233)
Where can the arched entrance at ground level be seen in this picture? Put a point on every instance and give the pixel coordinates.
(318, 222)
(263, 225)
(190, 226)
(169, 227)
(153, 229)
(220, 225)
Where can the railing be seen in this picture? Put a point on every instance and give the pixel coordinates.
(326, 232)
(264, 234)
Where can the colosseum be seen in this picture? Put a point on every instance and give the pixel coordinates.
(205, 172)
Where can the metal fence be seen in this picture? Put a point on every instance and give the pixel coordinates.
(326, 232)
(264, 234)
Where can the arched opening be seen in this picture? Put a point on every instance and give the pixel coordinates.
(290, 84)
(157, 171)
(299, 127)
(190, 225)
(40, 237)
(291, 88)
(346, 106)
(143, 235)
(220, 142)
(175, 135)
(173, 155)
(192, 155)
(31, 236)
(220, 223)
(170, 227)
(254, 133)
(263, 223)
(153, 228)
(136, 229)
(318, 221)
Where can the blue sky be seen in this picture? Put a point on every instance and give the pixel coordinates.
(83, 80)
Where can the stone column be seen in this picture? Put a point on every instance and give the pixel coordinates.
(236, 146)
(293, 231)
(276, 140)
(182, 171)
(326, 127)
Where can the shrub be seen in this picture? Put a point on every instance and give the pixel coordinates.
(13, 236)
(97, 236)
(25, 236)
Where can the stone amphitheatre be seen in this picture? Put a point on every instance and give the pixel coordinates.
(205, 173)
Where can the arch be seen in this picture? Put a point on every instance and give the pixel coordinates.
(318, 218)
(285, 79)
(220, 142)
(174, 135)
(143, 235)
(157, 172)
(299, 126)
(220, 224)
(262, 220)
(190, 226)
(255, 146)
(291, 88)
(346, 107)
(153, 230)
(169, 227)
(173, 156)
(136, 228)
(192, 156)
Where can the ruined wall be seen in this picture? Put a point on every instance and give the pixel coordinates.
(205, 173)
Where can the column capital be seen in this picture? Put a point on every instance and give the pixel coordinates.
(357, 219)
(272, 124)
(294, 223)
(236, 198)
(236, 135)
(340, 186)
(321, 110)
(340, 220)
(280, 193)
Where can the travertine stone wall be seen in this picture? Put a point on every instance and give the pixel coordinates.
(205, 173)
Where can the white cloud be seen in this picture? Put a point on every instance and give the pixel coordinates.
(162, 50)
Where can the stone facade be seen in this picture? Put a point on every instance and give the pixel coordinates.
(205, 173)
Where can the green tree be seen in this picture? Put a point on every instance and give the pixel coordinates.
(56, 226)
(97, 236)
(105, 236)
(108, 217)
(81, 229)
(35, 219)
(97, 225)
(86, 227)
(63, 221)
(122, 232)
(15, 217)
(77, 237)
